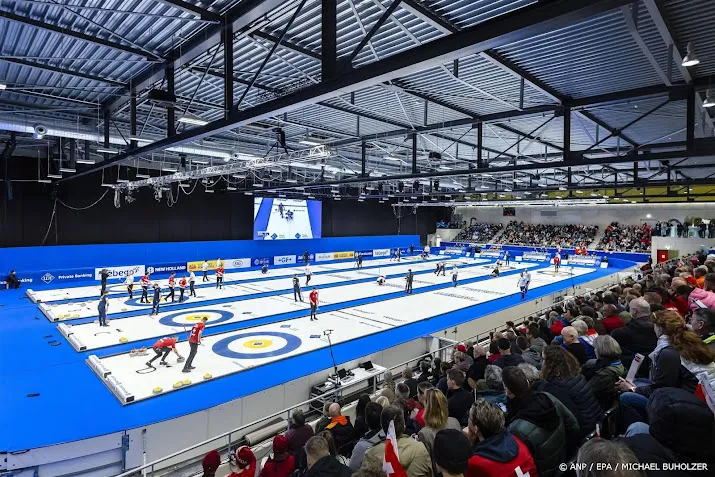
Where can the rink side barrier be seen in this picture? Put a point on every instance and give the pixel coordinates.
(112, 383)
(517, 250)
(73, 263)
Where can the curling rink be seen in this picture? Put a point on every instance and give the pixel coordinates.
(263, 284)
(128, 377)
(89, 336)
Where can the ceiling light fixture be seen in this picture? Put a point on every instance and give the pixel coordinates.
(141, 175)
(248, 193)
(2, 86)
(42, 181)
(85, 161)
(199, 161)
(690, 59)
(230, 188)
(193, 120)
(106, 150)
(309, 143)
(68, 169)
(562, 188)
(54, 176)
(140, 139)
(709, 99)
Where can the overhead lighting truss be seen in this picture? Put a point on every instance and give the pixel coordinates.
(233, 168)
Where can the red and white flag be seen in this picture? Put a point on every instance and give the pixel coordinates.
(391, 461)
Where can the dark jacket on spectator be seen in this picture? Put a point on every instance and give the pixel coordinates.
(538, 345)
(577, 396)
(532, 357)
(321, 424)
(424, 377)
(297, 437)
(546, 334)
(442, 385)
(636, 337)
(328, 466)
(476, 371)
(577, 349)
(546, 426)
(343, 434)
(681, 431)
(492, 395)
(669, 372)
(458, 405)
(603, 375)
(412, 384)
(509, 360)
(360, 427)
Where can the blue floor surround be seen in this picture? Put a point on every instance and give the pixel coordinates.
(73, 404)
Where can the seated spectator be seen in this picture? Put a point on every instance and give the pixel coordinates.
(680, 431)
(611, 319)
(462, 348)
(421, 399)
(372, 437)
(382, 401)
(702, 322)
(605, 371)
(459, 400)
(532, 374)
(495, 386)
(410, 382)
(544, 331)
(243, 463)
(210, 463)
(573, 345)
(638, 336)
(527, 354)
(699, 274)
(388, 385)
(425, 372)
(495, 452)
(561, 377)
(360, 426)
(341, 429)
(676, 361)
(584, 338)
(414, 458)
(600, 451)
(452, 451)
(476, 371)
(558, 322)
(536, 342)
(697, 297)
(320, 462)
(436, 418)
(12, 281)
(328, 436)
(460, 361)
(280, 463)
(436, 371)
(442, 383)
(617, 237)
(411, 426)
(511, 336)
(507, 358)
(540, 421)
(402, 391)
(298, 433)
(493, 351)
(324, 419)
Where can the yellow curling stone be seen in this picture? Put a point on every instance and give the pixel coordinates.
(178, 384)
(208, 376)
(123, 340)
(187, 381)
(157, 390)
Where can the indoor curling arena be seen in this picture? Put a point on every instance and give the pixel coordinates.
(380, 238)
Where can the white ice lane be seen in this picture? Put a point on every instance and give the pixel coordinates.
(131, 380)
(266, 283)
(90, 336)
(116, 287)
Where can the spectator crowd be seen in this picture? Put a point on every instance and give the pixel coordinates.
(626, 238)
(548, 235)
(480, 233)
(538, 395)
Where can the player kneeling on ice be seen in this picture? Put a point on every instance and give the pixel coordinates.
(164, 346)
(495, 272)
(381, 280)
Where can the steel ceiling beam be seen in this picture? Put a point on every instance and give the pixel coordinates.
(523, 23)
(242, 15)
(63, 71)
(194, 9)
(77, 35)
(287, 44)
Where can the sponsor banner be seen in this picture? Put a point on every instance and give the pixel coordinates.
(166, 268)
(323, 257)
(382, 252)
(260, 261)
(364, 253)
(25, 280)
(343, 255)
(235, 263)
(198, 266)
(284, 260)
(311, 257)
(120, 272)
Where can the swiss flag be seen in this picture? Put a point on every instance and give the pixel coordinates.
(391, 461)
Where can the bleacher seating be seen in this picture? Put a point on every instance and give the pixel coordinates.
(548, 235)
(626, 238)
(479, 233)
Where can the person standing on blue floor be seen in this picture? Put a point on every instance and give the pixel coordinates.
(412, 249)
(506, 258)
(455, 274)
(524, 280)
(358, 259)
(192, 282)
(308, 274)
(145, 282)
(103, 275)
(102, 309)
(408, 279)
(264, 269)
(205, 269)
(306, 257)
(157, 300)
(296, 288)
(129, 282)
(172, 285)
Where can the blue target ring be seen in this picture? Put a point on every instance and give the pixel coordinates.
(221, 347)
(168, 320)
(136, 301)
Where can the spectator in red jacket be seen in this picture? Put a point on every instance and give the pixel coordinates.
(244, 463)
(496, 452)
(281, 463)
(611, 321)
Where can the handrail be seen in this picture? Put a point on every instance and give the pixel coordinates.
(287, 410)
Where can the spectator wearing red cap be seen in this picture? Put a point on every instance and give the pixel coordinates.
(281, 463)
(210, 463)
(244, 462)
